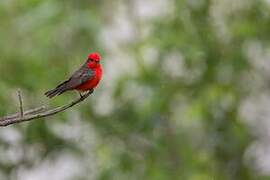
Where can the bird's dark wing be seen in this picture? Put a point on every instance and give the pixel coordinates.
(78, 77)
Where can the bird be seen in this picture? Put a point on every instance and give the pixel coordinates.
(86, 78)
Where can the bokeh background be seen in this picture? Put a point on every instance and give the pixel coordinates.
(185, 93)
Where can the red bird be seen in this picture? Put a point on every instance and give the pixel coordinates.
(84, 79)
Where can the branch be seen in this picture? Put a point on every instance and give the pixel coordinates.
(39, 112)
(21, 103)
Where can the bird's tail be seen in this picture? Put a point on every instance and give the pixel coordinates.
(53, 92)
(56, 91)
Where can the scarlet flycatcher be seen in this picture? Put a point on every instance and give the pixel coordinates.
(84, 79)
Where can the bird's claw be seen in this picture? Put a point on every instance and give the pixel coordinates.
(81, 96)
(91, 91)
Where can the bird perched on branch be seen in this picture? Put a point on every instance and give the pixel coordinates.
(84, 79)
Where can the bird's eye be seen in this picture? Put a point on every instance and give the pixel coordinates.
(92, 60)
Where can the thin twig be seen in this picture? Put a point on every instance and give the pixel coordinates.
(21, 103)
(30, 111)
(38, 113)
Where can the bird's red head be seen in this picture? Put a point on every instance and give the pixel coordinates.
(94, 56)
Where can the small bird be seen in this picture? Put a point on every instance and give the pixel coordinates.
(84, 79)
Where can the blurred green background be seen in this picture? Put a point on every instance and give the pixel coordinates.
(185, 92)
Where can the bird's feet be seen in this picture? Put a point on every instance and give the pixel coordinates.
(91, 91)
(81, 96)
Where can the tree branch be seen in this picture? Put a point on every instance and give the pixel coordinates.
(21, 103)
(39, 112)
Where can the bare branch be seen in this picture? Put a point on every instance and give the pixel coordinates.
(20, 103)
(30, 111)
(39, 112)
